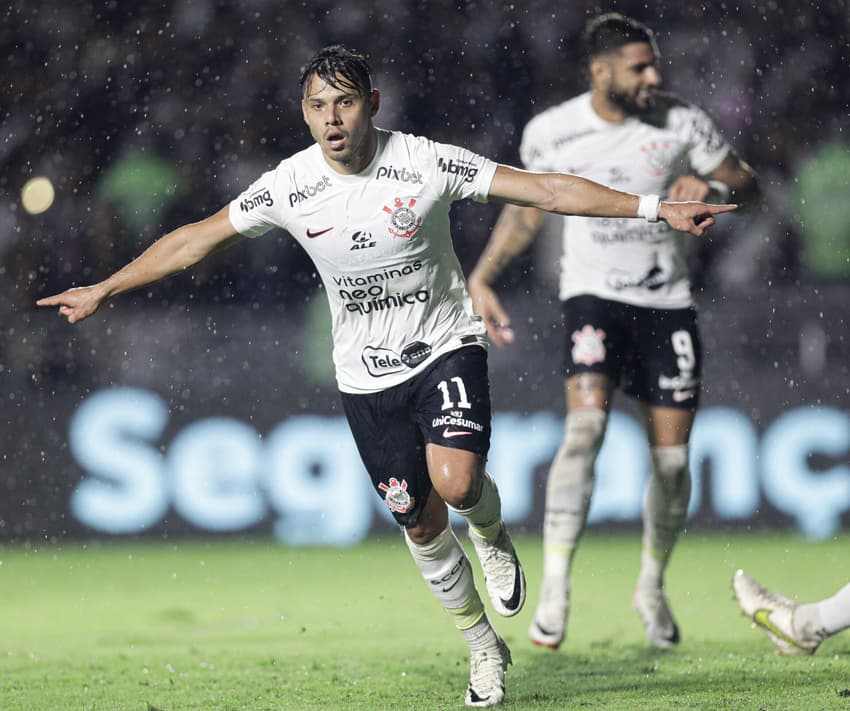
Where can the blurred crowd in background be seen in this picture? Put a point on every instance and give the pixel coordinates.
(150, 114)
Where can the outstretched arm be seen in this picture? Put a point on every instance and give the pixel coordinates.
(566, 194)
(515, 229)
(174, 252)
(528, 193)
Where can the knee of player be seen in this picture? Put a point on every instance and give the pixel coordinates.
(671, 463)
(583, 432)
(461, 491)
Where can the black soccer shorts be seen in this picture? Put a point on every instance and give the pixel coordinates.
(447, 404)
(654, 355)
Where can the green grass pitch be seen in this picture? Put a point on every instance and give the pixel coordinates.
(236, 626)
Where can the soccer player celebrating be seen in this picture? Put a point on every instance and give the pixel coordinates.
(371, 208)
(629, 315)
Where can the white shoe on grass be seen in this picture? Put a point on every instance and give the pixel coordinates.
(487, 675)
(503, 574)
(548, 627)
(652, 606)
(773, 614)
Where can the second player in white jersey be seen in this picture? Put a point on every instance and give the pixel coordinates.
(645, 264)
(629, 323)
(381, 242)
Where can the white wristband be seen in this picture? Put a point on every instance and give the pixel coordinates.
(720, 189)
(648, 207)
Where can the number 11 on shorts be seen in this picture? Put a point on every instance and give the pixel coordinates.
(463, 400)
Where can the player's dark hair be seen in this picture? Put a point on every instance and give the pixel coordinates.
(341, 68)
(611, 31)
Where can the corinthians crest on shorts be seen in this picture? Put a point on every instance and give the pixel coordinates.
(397, 499)
(588, 345)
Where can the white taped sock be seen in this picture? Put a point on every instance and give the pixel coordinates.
(824, 618)
(665, 510)
(485, 516)
(481, 635)
(569, 488)
(446, 571)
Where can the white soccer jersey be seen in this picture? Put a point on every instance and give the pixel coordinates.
(381, 242)
(627, 260)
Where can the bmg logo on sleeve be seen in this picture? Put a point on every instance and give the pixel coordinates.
(465, 169)
(255, 199)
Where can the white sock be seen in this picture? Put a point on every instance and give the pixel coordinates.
(481, 635)
(569, 488)
(485, 516)
(665, 510)
(824, 618)
(446, 571)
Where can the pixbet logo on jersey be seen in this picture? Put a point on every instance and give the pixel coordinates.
(302, 194)
(463, 168)
(403, 176)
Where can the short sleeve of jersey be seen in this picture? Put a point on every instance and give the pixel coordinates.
(458, 172)
(252, 212)
(707, 145)
(532, 149)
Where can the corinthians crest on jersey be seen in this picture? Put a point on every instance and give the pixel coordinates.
(404, 222)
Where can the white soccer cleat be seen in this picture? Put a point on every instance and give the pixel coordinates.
(773, 614)
(652, 606)
(487, 675)
(548, 627)
(503, 574)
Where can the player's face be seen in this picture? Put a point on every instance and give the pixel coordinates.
(340, 120)
(633, 77)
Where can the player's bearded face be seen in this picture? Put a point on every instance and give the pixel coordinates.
(634, 78)
(340, 121)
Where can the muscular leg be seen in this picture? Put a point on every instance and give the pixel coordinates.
(459, 479)
(665, 509)
(569, 487)
(444, 565)
(456, 477)
(462, 482)
(668, 490)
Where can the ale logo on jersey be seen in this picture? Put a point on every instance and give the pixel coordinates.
(396, 497)
(361, 240)
(588, 345)
(404, 222)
